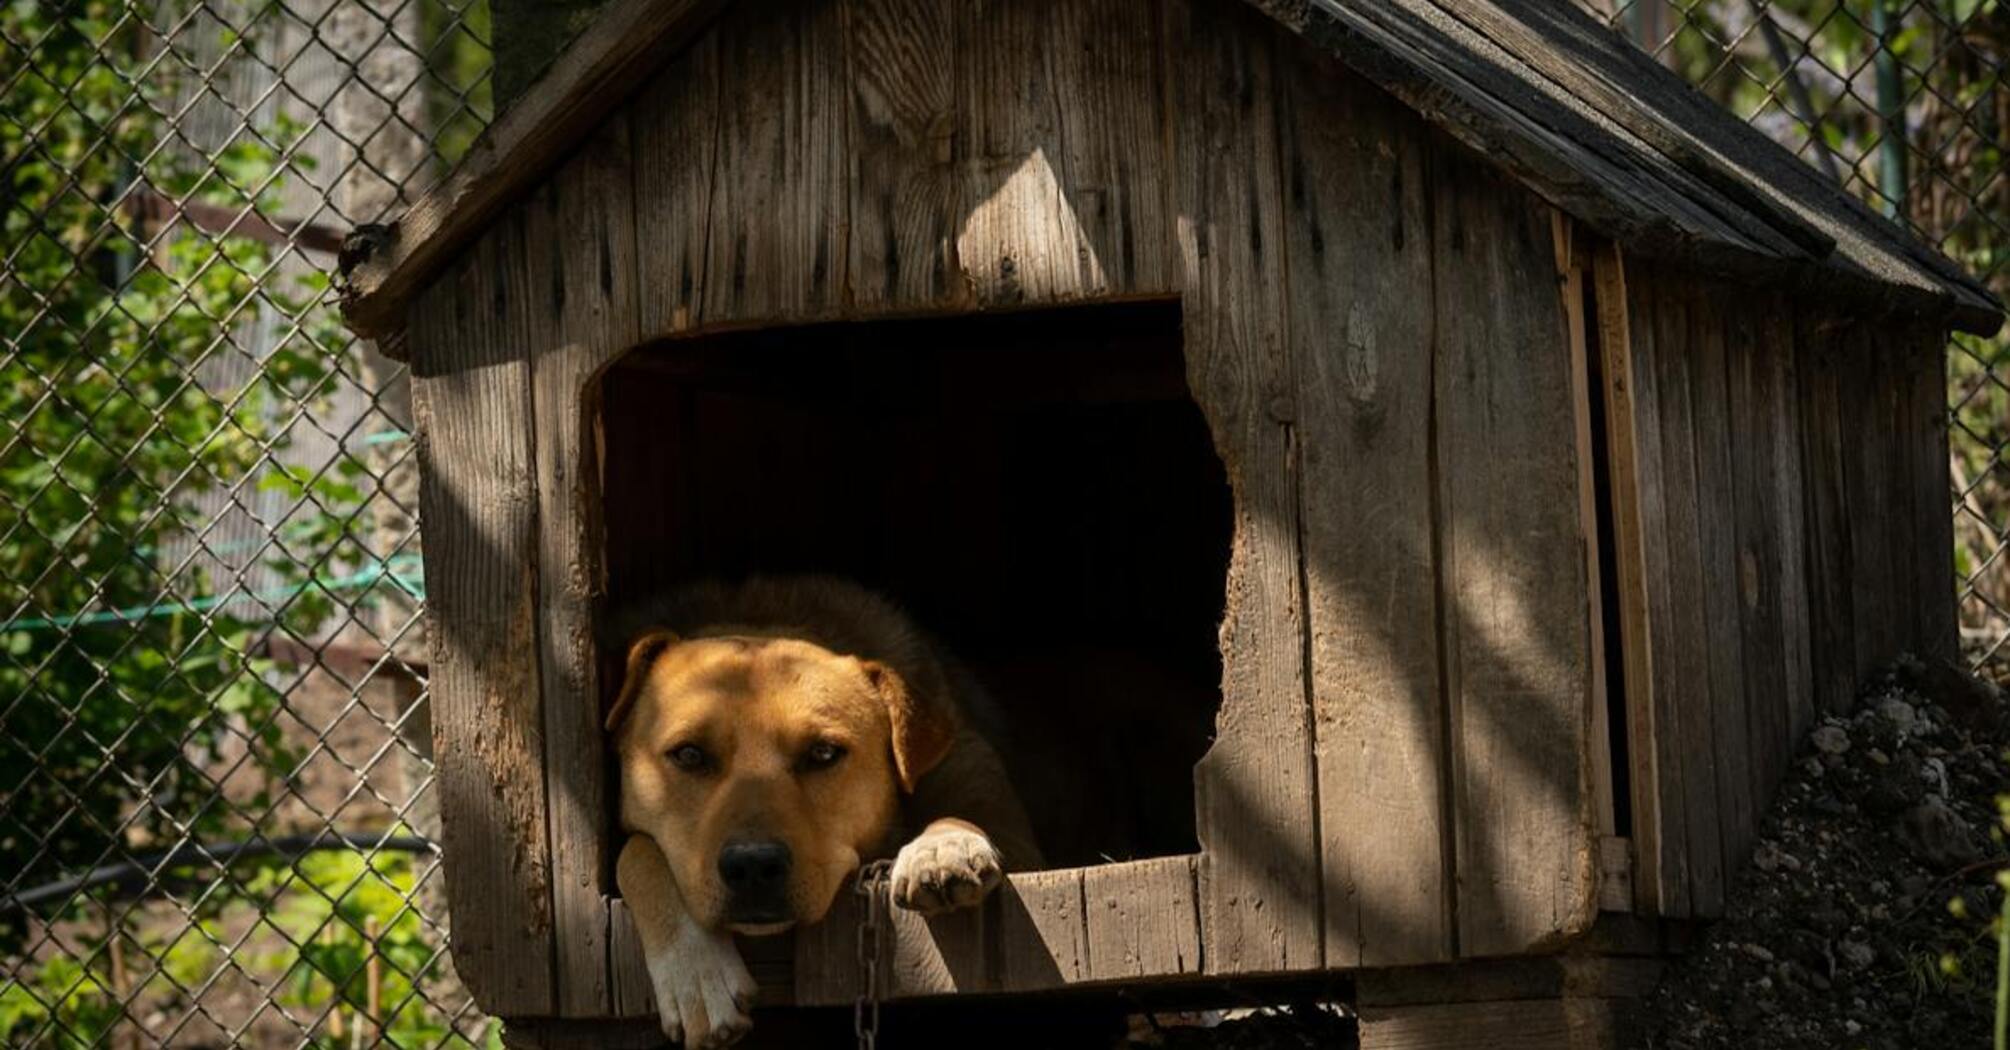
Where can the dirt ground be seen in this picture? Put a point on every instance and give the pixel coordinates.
(1862, 919)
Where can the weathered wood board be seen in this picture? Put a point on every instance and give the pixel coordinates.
(1260, 884)
(1362, 362)
(1516, 611)
(471, 398)
(580, 311)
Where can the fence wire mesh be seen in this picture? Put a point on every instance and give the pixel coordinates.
(214, 755)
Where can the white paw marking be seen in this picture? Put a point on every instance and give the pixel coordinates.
(945, 870)
(703, 989)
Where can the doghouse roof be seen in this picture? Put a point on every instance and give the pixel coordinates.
(1566, 106)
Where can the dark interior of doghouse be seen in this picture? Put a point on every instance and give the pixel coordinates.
(1039, 490)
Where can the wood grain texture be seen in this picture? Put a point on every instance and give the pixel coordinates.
(1359, 249)
(1682, 686)
(905, 194)
(1924, 444)
(1260, 880)
(1723, 673)
(1777, 342)
(578, 290)
(1574, 279)
(1039, 932)
(1822, 365)
(1526, 1024)
(1061, 193)
(1754, 469)
(1868, 480)
(776, 225)
(1139, 920)
(624, 44)
(674, 125)
(1661, 829)
(1629, 454)
(630, 993)
(478, 500)
(1516, 615)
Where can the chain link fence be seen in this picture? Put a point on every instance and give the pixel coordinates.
(214, 753)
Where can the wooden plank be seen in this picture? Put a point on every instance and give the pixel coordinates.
(1664, 737)
(1358, 247)
(904, 124)
(1029, 936)
(1043, 939)
(1723, 674)
(1259, 885)
(1777, 340)
(1139, 920)
(1925, 448)
(626, 42)
(478, 497)
(1865, 435)
(1615, 874)
(776, 211)
(1822, 359)
(578, 293)
(1506, 980)
(1682, 682)
(1061, 195)
(1634, 467)
(630, 991)
(1754, 469)
(675, 127)
(1515, 617)
(1574, 277)
(1527, 1024)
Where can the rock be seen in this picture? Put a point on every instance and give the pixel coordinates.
(1856, 954)
(1971, 703)
(1896, 787)
(1937, 836)
(1830, 740)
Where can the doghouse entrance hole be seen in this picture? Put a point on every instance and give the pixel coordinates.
(1039, 490)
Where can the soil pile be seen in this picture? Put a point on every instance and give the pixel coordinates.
(1862, 919)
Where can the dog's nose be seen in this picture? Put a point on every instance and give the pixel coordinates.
(755, 871)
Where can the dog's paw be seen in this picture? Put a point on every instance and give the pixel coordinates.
(944, 869)
(703, 989)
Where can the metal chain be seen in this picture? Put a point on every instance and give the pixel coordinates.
(871, 887)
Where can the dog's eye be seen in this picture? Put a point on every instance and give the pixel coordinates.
(822, 755)
(690, 758)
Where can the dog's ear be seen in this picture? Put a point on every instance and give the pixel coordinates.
(642, 652)
(922, 731)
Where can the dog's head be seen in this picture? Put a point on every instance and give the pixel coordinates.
(764, 767)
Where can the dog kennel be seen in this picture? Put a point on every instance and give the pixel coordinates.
(1518, 451)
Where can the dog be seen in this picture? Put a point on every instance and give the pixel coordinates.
(772, 736)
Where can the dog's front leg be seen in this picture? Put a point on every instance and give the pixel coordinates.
(703, 990)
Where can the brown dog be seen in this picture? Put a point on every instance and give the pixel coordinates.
(773, 736)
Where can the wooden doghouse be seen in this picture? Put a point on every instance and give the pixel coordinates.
(1576, 447)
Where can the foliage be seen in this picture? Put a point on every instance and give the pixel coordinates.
(327, 911)
(348, 905)
(128, 681)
